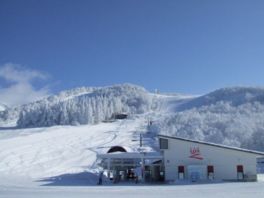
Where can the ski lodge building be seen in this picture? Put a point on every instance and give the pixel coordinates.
(180, 159)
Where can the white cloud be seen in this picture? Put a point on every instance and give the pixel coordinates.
(20, 89)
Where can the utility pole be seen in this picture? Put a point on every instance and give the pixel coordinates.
(140, 140)
(142, 156)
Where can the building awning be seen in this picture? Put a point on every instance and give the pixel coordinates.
(132, 155)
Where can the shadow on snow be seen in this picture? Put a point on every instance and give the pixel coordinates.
(91, 179)
(75, 179)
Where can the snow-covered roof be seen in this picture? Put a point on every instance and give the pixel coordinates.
(213, 144)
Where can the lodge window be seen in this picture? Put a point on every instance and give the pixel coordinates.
(210, 169)
(240, 169)
(240, 172)
(164, 143)
(181, 172)
(181, 169)
(210, 172)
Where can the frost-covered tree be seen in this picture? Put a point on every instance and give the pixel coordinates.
(232, 116)
(86, 106)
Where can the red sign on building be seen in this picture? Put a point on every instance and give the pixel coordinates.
(195, 153)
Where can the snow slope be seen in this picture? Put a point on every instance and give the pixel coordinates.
(47, 152)
(60, 162)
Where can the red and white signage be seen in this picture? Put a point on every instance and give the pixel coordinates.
(195, 153)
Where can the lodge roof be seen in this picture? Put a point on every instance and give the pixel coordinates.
(213, 144)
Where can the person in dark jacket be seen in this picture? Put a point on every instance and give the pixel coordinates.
(100, 179)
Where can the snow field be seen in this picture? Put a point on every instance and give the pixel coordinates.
(46, 152)
(221, 190)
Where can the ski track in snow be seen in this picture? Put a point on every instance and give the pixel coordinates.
(46, 152)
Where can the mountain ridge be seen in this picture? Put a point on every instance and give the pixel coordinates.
(230, 116)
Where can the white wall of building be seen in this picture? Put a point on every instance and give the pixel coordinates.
(223, 160)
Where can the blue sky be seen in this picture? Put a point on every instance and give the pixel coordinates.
(189, 46)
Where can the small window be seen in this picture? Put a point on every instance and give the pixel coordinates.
(240, 172)
(210, 172)
(181, 169)
(210, 169)
(164, 143)
(240, 169)
(181, 172)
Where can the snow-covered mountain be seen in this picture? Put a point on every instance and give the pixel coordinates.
(235, 96)
(42, 147)
(85, 106)
(231, 116)
(8, 116)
